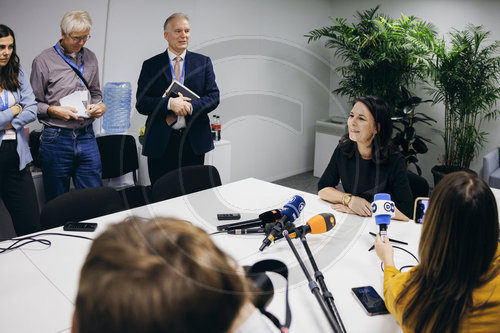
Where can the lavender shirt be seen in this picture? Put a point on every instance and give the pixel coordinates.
(52, 78)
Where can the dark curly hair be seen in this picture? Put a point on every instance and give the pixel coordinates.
(9, 74)
(382, 142)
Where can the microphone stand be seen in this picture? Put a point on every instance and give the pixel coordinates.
(327, 295)
(313, 286)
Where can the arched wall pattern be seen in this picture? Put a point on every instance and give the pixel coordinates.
(272, 92)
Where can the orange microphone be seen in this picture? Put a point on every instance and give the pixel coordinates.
(317, 224)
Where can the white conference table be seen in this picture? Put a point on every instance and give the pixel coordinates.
(39, 283)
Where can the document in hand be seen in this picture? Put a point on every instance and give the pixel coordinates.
(76, 100)
(176, 87)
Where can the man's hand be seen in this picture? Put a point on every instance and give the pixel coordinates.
(63, 112)
(96, 110)
(180, 105)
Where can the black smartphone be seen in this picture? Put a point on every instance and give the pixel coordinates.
(228, 216)
(80, 226)
(371, 300)
(421, 205)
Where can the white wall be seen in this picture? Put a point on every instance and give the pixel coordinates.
(274, 85)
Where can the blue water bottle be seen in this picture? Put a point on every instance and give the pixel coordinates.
(117, 97)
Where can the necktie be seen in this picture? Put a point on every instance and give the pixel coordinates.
(177, 68)
(171, 118)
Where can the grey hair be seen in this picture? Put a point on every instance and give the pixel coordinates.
(173, 16)
(76, 20)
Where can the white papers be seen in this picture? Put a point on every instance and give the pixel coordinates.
(76, 100)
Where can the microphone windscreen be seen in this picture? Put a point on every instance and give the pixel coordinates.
(270, 216)
(321, 223)
(293, 208)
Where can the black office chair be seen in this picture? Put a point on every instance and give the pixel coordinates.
(185, 180)
(80, 205)
(418, 185)
(118, 158)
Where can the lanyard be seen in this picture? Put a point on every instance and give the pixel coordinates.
(5, 101)
(182, 72)
(71, 63)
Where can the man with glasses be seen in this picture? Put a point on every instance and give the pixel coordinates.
(65, 80)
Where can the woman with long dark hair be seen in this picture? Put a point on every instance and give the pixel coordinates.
(17, 108)
(367, 163)
(456, 286)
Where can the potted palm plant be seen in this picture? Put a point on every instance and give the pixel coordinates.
(466, 81)
(384, 57)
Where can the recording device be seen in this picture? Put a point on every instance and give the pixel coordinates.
(270, 216)
(421, 205)
(383, 209)
(290, 213)
(79, 226)
(370, 300)
(229, 216)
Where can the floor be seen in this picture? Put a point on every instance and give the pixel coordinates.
(304, 182)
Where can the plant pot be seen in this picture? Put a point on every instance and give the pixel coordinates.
(439, 171)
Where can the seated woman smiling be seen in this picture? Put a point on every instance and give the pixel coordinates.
(366, 162)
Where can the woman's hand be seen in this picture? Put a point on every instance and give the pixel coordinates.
(360, 206)
(16, 109)
(384, 250)
(343, 209)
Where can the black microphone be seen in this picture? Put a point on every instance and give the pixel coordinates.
(246, 231)
(270, 216)
(290, 212)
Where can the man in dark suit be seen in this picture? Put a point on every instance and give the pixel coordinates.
(177, 129)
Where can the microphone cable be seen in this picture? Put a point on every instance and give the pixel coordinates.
(402, 267)
(19, 242)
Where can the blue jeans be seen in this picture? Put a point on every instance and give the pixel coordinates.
(65, 154)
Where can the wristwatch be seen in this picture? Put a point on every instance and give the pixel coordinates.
(346, 199)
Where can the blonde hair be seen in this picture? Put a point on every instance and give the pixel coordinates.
(76, 20)
(162, 275)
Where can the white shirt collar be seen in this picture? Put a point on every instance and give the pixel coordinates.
(172, 55)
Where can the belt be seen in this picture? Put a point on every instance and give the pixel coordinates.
(72, 130)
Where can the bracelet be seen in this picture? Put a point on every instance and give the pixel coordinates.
(346, 198)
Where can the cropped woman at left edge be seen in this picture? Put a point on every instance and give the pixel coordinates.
(17, 108)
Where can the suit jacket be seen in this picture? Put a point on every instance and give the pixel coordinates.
(154, 79)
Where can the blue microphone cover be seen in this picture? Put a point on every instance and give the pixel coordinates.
(293, 208)
(386, 208)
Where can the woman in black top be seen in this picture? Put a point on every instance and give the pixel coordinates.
(366, 162)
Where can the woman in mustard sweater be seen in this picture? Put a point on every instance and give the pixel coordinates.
(456, 286)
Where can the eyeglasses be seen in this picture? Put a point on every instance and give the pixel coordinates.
(79, 39)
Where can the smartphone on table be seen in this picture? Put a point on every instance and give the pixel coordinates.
(421, 205)
(370, 300)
